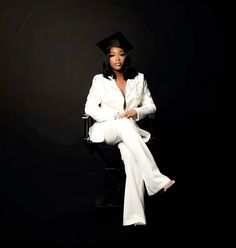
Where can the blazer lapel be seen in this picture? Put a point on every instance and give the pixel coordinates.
(131, 85)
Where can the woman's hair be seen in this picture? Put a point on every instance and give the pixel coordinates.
(128, 71)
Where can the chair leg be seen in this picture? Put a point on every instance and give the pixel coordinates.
(115, 196)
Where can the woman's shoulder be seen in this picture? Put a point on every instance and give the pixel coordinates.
(101, 76)
(99, 79)
(98, 76)
(140, 76)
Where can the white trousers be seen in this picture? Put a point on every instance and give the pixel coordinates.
(140, 168)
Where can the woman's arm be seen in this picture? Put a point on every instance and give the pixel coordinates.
(92, 107)
(147, 105)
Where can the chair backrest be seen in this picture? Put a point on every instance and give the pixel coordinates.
(87, 123)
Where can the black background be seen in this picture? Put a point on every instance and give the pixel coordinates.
(48, 57)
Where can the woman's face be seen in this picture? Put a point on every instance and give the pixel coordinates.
(117, 58)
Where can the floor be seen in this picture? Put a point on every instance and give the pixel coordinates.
(44, 203)
(96, 227)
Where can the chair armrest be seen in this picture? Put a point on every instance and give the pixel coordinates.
(152, 126)
(149, 124)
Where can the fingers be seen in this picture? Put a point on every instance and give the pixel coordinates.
(126, 114)
(122, 115)
(130, 113)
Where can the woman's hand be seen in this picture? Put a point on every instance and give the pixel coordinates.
(127, 114)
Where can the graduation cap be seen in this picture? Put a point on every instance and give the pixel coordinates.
(115, 40)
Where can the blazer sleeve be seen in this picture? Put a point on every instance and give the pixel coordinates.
(92, 105)
(147, 105)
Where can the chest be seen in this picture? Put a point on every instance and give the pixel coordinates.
(114, 94)
(121, 84)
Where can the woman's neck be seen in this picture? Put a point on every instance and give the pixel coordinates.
(119, 75)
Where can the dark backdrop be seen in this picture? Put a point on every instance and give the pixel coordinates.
(48, 57)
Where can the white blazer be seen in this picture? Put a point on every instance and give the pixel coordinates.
(105, 100)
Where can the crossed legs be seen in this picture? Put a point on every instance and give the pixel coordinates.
(140, 167)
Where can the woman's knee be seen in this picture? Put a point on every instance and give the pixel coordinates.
(127, 127)
(125, 122)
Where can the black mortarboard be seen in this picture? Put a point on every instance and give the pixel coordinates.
(116, 39)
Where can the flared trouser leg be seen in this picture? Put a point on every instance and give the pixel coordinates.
(133, 210)
(140, 166)
(124, 130)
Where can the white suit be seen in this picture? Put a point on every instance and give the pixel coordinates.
(104, 101)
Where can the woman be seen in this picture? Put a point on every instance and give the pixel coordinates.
(117, 99)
